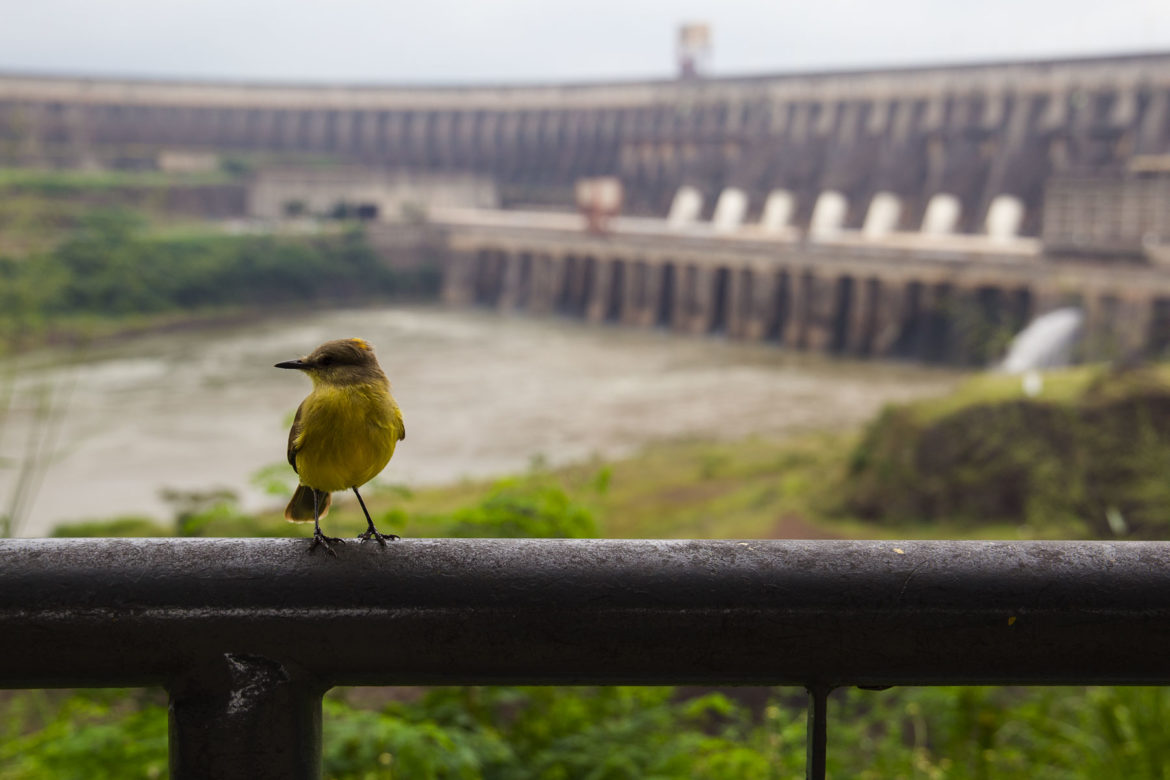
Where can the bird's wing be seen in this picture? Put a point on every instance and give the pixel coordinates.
(294, 433)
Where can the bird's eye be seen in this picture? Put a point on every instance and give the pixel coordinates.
(325, 361)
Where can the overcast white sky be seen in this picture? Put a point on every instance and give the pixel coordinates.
(452, 41)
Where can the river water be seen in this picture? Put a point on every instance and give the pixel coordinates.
(482, 394)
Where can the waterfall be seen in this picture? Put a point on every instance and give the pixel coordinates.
(1047, 342)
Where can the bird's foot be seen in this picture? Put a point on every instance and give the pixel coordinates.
(325, 541)
(372, 533)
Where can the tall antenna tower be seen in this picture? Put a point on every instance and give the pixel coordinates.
(694, 50)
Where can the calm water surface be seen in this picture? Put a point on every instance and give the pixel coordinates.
(483, 394)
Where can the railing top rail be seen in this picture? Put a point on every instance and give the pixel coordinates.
(104, 612)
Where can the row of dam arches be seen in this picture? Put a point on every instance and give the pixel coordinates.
(911, 133)
(794, 306)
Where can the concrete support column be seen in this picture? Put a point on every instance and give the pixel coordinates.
(598, 300)
(1135, 314)
(795, 327)
(820, 311)
(703, 301)
(764, 293)
(889, 312)
(930, 301)
(459, 279)
(564, 279)
(740, 306)
(862, 316)
(655, 290)
(1151, 133)
(542, 297)
(318, 129)
(510, 284)
(685, 285)
(1098, 342)
(572, 286)
(634, 298)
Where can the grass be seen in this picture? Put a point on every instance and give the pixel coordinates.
(67, 182)
(754, 488)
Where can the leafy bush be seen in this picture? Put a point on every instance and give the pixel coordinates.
(517, 509)
(1097, 460)
(620, 733)
(110, 267)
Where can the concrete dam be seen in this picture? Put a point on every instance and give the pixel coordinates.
(915, 212)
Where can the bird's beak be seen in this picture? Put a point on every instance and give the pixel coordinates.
(298, 363)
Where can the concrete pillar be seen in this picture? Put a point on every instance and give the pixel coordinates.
(1098, 342)
(889, 312)
(565, 270)
(510, 284)
(1135, 314)
(1153, 121)
(933, 303)
(370, 131)
(318, 129)
(685, 287)
(634, 298)
(698, 300)
(935, 114)
(901, 123)
(763, 294)
(740, 305)
(861, 316)
(598, 294)
(820, 312)
(655, 290)
(879, 117)
(459, 270)
(574, 299)
(77, 129)
(613, 295)
(801, 286)
(542, 287)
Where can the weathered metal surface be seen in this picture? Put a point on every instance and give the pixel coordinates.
(145, 612)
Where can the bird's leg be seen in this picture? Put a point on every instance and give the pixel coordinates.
(318, 537)
(371, 532)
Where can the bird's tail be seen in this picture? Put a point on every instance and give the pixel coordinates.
(300, 508)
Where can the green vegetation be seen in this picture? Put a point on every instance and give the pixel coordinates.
(1087, 457)
(112, 268)
(38, 207)
(58, 183)
(517, 733)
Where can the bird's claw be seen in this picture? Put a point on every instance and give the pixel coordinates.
(323, 540)
(374, 534)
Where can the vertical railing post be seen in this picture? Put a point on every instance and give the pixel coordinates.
(816, 742)
(245, 717)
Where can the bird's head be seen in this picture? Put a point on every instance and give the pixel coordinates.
(340, 362)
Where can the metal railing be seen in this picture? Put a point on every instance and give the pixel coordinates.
(246, 635)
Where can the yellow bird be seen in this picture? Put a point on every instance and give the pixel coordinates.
(344, 432)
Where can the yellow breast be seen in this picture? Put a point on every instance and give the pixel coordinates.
(347, 436)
